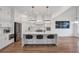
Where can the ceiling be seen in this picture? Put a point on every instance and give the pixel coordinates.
(38, 12)
(41, 11)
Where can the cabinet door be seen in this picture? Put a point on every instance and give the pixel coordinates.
(5, 14)
(3, 42)
(0, 42)
(1, 38)
(6, 24)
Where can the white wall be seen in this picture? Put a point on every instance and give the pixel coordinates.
(69, 16)
(76, 25)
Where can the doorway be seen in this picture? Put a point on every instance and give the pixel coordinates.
(17, 31)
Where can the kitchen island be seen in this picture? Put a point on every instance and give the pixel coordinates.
(39, 39)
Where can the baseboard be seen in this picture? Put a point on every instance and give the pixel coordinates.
(66, 37)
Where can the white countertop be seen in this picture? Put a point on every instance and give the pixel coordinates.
(39, 33)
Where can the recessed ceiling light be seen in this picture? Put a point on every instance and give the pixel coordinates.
(32, 6)
(47, 7)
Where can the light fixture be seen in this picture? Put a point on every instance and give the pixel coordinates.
(32, 6)
(47, 12)
(76, 17)
(32, 12)
(46, 6)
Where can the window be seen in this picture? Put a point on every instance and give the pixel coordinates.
(62, 24)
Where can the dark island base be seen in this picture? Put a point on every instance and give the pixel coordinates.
(37, 45)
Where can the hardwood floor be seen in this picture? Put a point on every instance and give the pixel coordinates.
(65, 45)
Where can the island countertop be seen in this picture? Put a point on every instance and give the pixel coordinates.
(39, 33)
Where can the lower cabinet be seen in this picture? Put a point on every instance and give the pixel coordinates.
(4, 41)
(40, 39)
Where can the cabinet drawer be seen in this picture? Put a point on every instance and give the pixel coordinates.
(39, 41)
(50, 39)
(29, 42)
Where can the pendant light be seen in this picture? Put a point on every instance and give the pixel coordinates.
(39, 18)
(47, 12)
(32, 19)
(76, 17)
(32, 12)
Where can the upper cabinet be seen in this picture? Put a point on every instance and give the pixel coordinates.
(6, 19)
(5, 24)
(5, 14)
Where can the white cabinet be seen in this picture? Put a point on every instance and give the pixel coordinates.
(4, 38)
(2, 42)
(5, 24)
(45, 39)
(36, 26)
(5, 14)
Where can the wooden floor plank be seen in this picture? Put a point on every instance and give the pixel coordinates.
(65, 45)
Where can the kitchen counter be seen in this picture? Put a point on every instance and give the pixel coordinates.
(39, 38)
(39, 33)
